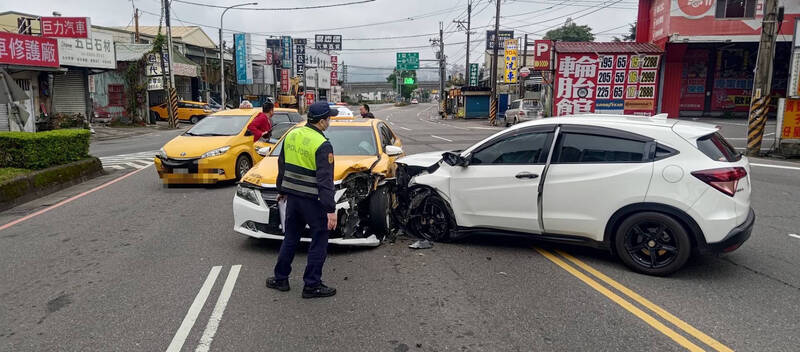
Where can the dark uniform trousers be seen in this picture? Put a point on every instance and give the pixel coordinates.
(299, 212)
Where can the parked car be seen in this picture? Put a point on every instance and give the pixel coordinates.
(218, 148)
(365, 152)
(522, 110)
(414, 101)
(344, 112)
(188, 111)
(651, 190)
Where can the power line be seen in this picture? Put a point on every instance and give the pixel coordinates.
(276, 8)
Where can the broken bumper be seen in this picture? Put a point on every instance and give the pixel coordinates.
(263, 221)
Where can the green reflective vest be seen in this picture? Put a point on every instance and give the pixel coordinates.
(300, 158)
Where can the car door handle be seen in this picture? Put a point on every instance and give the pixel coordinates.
(527, 175)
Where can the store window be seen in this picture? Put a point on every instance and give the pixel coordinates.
(736, 8)
(116, 95)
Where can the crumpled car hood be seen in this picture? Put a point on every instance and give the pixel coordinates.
(422, 159)
(266, 171)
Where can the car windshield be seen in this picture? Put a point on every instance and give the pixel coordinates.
(219, 125)
(347, 140)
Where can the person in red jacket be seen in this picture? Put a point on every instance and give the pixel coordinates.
(261, 126)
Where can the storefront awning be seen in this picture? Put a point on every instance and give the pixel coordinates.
(607, 47)
(181, 65)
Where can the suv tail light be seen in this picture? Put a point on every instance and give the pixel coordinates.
(521, 113)
(724, 179)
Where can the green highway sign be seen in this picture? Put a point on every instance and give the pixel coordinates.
(408, 80)
(473, 74)
(407, 61)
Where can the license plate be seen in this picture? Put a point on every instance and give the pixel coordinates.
(180, 171)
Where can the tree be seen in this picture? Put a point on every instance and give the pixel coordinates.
(407, 88)
(630, 37)
(571, 32)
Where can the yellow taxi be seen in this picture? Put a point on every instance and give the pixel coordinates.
(191, 111)
(219, 147)
(365, 151)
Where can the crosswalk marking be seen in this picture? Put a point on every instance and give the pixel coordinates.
(128, 161)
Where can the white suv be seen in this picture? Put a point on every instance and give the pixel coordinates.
(651, 190)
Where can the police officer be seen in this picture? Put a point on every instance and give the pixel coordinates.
(305, 180)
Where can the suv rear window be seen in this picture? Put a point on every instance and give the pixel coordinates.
(717, 148)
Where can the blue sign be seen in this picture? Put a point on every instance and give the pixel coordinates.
(286, 51)
(609, 106)
(244, 63)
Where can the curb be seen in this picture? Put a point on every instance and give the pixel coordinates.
(40, 183)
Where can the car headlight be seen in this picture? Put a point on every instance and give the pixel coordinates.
(247, 194)
(162, 153)
(215, 152)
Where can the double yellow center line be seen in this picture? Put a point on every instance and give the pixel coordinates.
(641, 314)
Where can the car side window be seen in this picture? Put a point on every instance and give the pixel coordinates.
(594, 149)
(280, 118)
(181, 104)
(386, 138)
(523, 148)
(514, 105)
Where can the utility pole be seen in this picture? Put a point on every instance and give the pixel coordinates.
(136, 25)
(169, 43)
(166, 70)
(442, 58)
(762, 82)
(493, 75)
(524, 64)
(468, 25)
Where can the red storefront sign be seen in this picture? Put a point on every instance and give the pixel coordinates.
(268, 59)
(285, 80)
(309, 98)
(26, 50)
(605, 83)
(66, 27)
(334, 71)
(541, 54)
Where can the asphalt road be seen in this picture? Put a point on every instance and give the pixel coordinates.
(134, 266)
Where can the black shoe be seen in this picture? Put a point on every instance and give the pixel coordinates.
(319, 291)
(280, 285)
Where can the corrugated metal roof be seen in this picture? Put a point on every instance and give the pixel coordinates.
(177, 31)
(130, 51)
(607, 47)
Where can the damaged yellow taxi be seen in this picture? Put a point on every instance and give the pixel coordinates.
(365, 151)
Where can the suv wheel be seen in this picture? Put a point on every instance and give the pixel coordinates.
(431, 220)
(652, 243)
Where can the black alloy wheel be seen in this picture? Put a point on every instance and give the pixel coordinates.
(243, 165)
(431, 220)
(652, 243)
(194, 119)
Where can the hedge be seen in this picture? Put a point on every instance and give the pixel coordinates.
(41, 150)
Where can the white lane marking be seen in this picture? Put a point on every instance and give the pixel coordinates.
(444, 139)
(794, 235)
(216, 315)
(405, 128)
(137, 166)
(194, 311)
(487, 128)
(114, 167)
(142, 162)
(769, 134)
(776, 166)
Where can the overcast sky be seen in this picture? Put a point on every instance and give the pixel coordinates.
(385, 18)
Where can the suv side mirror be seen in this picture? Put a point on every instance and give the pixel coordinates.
(393, 150)
(454, 159)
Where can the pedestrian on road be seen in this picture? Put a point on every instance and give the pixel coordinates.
(260, 125)
(365, 114)
(305, 182)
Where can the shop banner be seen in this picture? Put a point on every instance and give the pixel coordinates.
(510, 72)
(94, 52)
(153, 66)
(309, 98)
(589, 82)
(500, 40)
(473, 74)
(244, 58)
(334, 70)
(26, 50)
(286, 51)
(155, 83)
(300, 57)
(66, 27)
(791, 120)
(285, 80)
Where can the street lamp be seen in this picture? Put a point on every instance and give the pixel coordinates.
(222, 52)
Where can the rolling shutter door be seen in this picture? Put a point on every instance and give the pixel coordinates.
(69, 93)
(4, 126)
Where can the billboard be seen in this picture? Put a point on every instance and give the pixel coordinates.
(541, 54)
(65, 27)
(503, 36)
(605, 83)
(286, 52)
(328, 42)
(94, 52)
(510, 72)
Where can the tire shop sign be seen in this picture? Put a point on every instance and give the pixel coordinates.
(620, 83)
